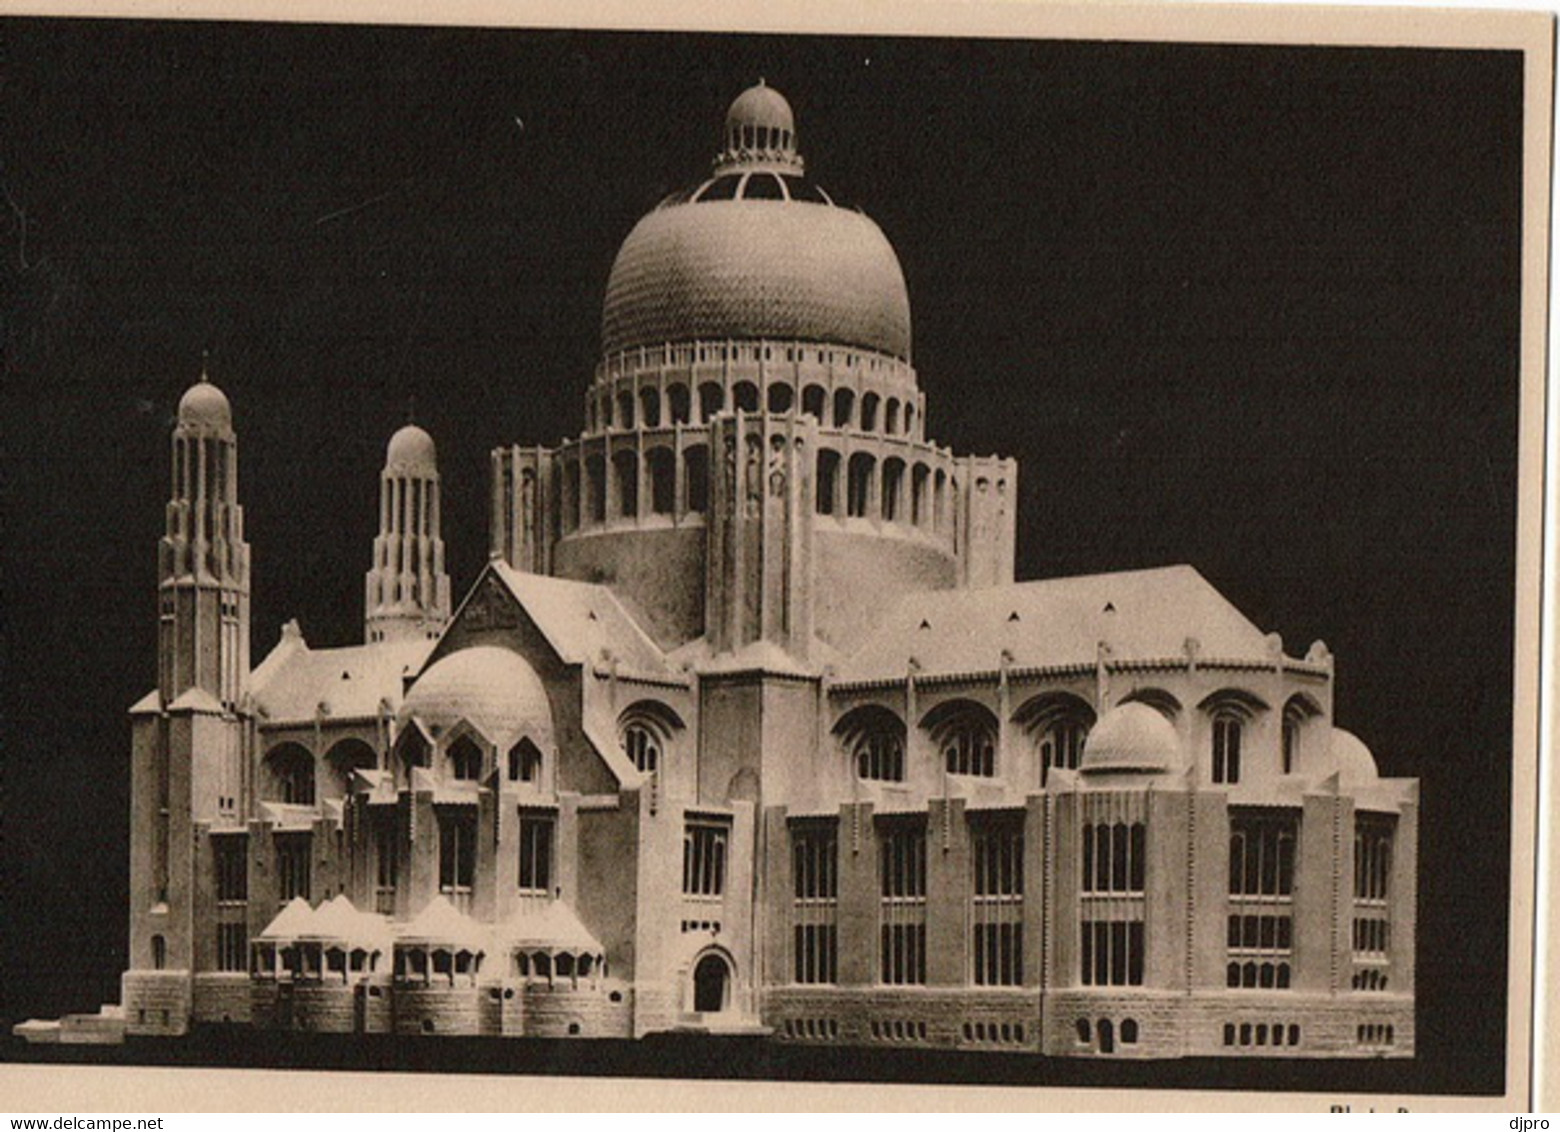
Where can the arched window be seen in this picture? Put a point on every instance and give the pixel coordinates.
(1228, 712)
(1226, 747)
(465, 760)
(625, 465)
(650, 407)
(891, 416)
(646, 729)
(1057, 724)
(745, 394)
(712, 399)
(525, 762)
(909, 419)
(965, 733)
(940, 500)
(677, 401)
(663, 480)
(1158, 699)
(918, 479)
(844, 407)
(858, 488)
(873, 738)
(869, 411)
(571, 496)
(813, 400)
(893, 483)
(292, 774)
(1297, 710)
(159, 953)
(1129, 1031)
(625, 409)
(827, 483)
(696, 465)
(781, 397)
(596, 484)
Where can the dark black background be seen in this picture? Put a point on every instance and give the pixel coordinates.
(1250, 308)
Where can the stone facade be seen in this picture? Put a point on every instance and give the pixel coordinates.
(746, 726)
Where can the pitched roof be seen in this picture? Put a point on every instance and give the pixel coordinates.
(1140, 614)
(295, 919)
(291, 684)
(584, 623)
(554, 925)
(441, 923)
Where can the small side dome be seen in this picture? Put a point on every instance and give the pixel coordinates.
(491, 688)
(411, 450)
(205, 407)
(1352, 759)
(1131, 737)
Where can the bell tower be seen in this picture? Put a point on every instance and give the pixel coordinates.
(189, 778)
(203, 560)
(407, 592)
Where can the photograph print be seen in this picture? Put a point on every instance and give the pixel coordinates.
(822, 557)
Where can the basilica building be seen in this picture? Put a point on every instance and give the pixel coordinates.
(746, 727)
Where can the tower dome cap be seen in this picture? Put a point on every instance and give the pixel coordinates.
(205, 407)
(1132, 737)
(411, 450)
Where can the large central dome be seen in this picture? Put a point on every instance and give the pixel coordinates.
(757, 251)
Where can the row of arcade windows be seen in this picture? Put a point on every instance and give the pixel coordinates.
(1057, 724)
(845, 410)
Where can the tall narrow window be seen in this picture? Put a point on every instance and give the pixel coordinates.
(292, 866)
(457, 854)
(232, 945)
(815, 850)
(704, 858)
(827, 483)
(902, 922)
(231, 852)
(1113, 945)
(625, 465)
(536, 853)
(696, 463)
(663, 480)
(386, 862)
(997, 907)
(1261, 912)
(1291, 743)
(1372, 940)
(1226, 747)
(858, 487)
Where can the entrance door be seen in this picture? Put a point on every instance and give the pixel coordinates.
(710, 979)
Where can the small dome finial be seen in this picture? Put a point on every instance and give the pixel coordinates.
(760, 132)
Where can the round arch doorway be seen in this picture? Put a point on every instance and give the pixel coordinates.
(711, 984)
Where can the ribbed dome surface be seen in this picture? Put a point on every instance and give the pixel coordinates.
(1131, 737)
(492, 688)
(746, 269)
